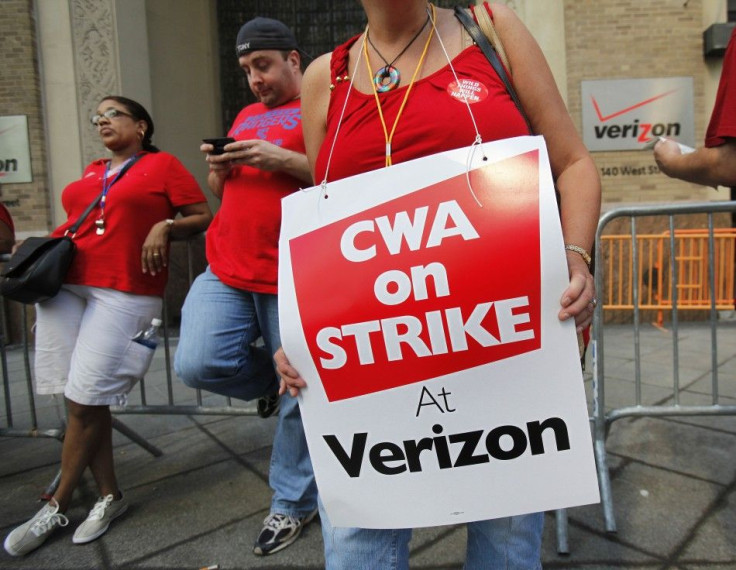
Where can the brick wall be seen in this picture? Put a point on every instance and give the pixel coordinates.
(20, 95)
(633, 39)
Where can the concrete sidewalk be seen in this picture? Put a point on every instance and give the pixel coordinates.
(203, 501)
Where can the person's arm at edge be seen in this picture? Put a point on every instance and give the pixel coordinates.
(710, 166)
(7, 238)
(195, 218)
(315, 100)
(572, 166)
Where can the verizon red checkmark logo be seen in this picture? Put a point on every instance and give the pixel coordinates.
(425, 285)
(603, 118)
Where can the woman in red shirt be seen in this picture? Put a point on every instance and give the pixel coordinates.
(84, 346)
(389, 96)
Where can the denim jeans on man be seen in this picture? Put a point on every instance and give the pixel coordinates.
(510, 543)
(219, 325)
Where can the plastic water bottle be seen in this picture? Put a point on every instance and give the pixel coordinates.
(149, 337)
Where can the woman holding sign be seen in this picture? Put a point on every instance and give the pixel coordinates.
(414, 84)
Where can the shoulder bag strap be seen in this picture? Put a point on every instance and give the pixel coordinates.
(73, 229)
(480, 39)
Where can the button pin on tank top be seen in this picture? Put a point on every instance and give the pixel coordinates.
(388, 77)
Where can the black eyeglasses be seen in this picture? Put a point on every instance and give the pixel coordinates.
(109, 114)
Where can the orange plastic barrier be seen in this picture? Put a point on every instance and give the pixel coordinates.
(656, 284)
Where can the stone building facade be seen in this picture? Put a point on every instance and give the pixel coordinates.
(20, 94)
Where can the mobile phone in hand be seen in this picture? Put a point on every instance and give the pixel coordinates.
(218, 144)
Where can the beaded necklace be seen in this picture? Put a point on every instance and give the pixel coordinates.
(388, 77)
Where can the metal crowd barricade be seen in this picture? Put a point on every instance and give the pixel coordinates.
(19, 400)
(21, 392)
(694, 275)
(637, 284)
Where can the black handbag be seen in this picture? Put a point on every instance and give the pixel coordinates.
(36, 271)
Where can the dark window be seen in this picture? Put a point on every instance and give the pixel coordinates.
(732, 10)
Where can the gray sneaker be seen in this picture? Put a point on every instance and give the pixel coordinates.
(97, 522)
(279, 531)
(31, 535)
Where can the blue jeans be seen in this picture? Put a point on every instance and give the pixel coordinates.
(510, 543)
(219, 325)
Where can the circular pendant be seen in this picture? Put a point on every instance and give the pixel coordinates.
(386, 79)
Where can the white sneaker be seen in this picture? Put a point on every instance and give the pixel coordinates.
(106, 509)
(31, 535)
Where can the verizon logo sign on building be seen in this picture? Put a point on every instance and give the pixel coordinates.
(15, 153)
(626, 114)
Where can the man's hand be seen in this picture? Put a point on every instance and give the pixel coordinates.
(710, 166)
(262, 155)
(219, 163)
(220, 167)
(259, 154)
(665, 152)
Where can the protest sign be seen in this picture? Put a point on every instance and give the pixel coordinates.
(419, 303)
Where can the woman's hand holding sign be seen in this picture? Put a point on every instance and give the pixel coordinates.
(578, 301)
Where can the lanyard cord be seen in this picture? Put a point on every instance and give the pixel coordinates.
(107, 184)
(389, 137)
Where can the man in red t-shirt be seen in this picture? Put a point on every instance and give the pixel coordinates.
(715, 163)
(234, 302)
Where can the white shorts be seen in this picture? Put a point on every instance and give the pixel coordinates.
(84, 347)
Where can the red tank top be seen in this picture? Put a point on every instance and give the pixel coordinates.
(434, 120)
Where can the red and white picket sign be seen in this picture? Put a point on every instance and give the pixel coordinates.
(420, 304)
